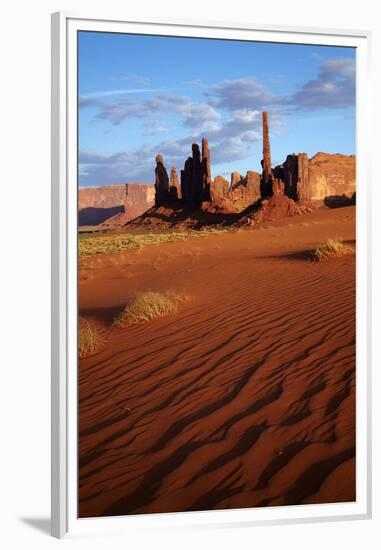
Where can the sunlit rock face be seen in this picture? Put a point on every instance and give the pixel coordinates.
(96, 205)
(331, 176)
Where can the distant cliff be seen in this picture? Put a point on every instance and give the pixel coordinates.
(103, 205)
(332, 176)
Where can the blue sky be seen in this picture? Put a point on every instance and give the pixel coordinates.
(144, 95)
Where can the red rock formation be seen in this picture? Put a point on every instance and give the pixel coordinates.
(266, 183)
(321, 178)
(235, 179)
(174, 185)
(275, 208)
(294, 173)
(198, 187)
(331, 176)
(197, 175)
(161, 182)
(219, 206)
(195, 178)
(290, 176)
(186, 181)
(106, 196)
(253, 184)
(298, 178)
(303, 186)
(277, 187)
(219, 189)
(98, 205)
(266, 145)
(206, 174)
(245, 191)
(138, 199)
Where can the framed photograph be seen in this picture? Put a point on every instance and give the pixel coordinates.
(211, 274)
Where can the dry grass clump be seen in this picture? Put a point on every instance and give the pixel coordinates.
(332, 248)
(91, 245)
(89, 338)
(149, 305)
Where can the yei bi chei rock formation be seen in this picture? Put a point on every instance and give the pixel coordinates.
(323, 179)
(197, 186)
(300, 179)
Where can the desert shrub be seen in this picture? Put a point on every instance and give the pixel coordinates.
(332, 248)
(89, 338)
(149, 305)
(91, 245)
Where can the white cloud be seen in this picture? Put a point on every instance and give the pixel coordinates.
(198, 115)
(155, 129)
(243, 93)
(124, 91)
(230, 119)
(247, 115)
(251, 136)
(333, 88)
(142, 80)
(138, 165)
(194, 115)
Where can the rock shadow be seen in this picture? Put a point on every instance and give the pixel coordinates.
(338, 201)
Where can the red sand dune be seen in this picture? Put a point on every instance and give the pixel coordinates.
(244, 398)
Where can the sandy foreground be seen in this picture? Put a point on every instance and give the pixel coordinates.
(244, 398)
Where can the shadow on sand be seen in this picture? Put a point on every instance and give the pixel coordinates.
(303, 255)
(175, 213)
(95, 216)
(338, 201)
(105, 315)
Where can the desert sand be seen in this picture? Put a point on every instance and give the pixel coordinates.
(245, 397)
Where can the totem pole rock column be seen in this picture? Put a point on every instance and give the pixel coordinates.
(266, 182)
(206, 174)
(192, 178)
(174, 185)
(296, 177)
(290, 176)
(186, 181)
(197, 176)
(303, 183)
(161, 182)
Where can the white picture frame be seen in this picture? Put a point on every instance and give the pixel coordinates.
(64, 276)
